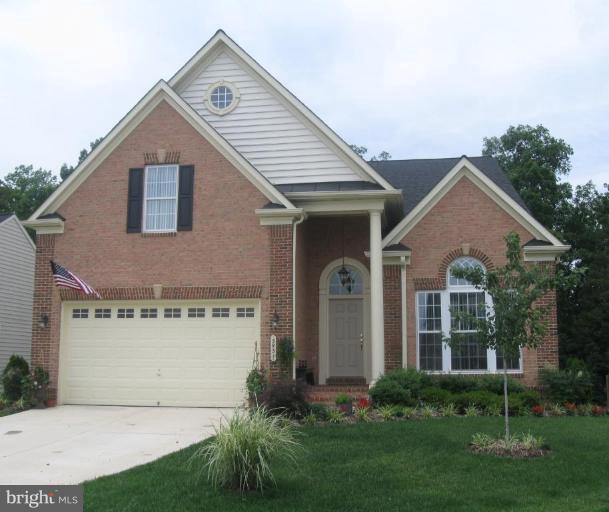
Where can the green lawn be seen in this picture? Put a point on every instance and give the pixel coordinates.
(409, 465)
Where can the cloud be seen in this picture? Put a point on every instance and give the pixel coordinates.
(419, 79)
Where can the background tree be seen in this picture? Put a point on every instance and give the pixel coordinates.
(534, 161)
(584, 308)
(363, 151)
(66, 169)
(515, 320)
(25, 189)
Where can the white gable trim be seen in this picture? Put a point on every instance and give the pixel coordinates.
(220, 41)
(465, 168)
(160, 92)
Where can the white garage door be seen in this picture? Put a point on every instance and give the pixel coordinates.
(190, 354)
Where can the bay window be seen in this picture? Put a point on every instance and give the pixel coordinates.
(435, 321)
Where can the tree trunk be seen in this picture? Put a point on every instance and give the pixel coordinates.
(505, 401)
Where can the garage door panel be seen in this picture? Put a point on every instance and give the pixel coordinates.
(157, 361)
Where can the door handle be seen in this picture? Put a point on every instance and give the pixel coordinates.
(361, 341)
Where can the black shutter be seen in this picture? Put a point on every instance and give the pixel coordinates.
(185, 192)
(135, 200)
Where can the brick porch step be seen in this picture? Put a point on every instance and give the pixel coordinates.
(346, 381)
(327, 394)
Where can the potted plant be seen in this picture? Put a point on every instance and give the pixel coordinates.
(40, 384)
(344, 403)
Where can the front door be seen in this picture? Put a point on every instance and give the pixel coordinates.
(346, 338)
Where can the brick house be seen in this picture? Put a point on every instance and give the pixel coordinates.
(221, 215)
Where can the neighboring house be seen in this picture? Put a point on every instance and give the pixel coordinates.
(216, 216)
(17, 261)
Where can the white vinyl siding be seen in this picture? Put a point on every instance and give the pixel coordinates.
(264, 130)
(17, 260)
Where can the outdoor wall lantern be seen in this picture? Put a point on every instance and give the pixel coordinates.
(274, 320)
(44, 321)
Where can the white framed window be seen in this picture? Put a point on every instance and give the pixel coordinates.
(80, 313)
(172, 313)
(148, 313)
(160, 198)
(125, 313)
(245, 312)
(222, 97)
(103, 313)
(435, 322)
(196, 312)
(220, 312)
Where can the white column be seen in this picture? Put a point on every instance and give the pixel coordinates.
(377, 328)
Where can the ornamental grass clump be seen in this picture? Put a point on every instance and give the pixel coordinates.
(241, 454)
(523, 445)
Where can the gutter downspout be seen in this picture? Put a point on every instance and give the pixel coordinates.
(404, 313)
(294, 225)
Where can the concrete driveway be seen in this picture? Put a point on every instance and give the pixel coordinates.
(73, 443)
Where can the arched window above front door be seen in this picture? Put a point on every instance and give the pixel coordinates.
(337, 288)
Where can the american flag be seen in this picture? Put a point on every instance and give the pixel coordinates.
(65, 279)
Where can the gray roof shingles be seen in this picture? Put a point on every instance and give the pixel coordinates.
(417, 177)
(5, 216)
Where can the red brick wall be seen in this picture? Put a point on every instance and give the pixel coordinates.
(464, 219)
(226, 248)
(392, 303)
(280, 292)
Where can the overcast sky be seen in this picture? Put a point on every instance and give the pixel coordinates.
(418, 79)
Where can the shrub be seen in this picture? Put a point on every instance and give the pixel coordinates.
(335, 416)
(494, 384)
(387, 412)
(310, 419)
(362, 414)
(570, 409)
(387, 392)
(428, 411)
(409, 412)
(585, 409)
(598, 410)
(538, 410)
(449, 410)
(436, 396)
(480, 399)
(285, 397)
(343, 398)
(529, 398)
(320, 411)
(255, 383)
(400, 387)
(363, 403)
(556, 410)
(562, 386)
(472, 410)
(240, 454)
(523, 445)
(14, 372)
(455, 383)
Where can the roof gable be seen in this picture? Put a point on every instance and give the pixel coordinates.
(160, 92)
(417, 177)
(272, 128)
(465, 168)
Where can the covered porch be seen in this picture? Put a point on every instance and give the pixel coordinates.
(339, 291)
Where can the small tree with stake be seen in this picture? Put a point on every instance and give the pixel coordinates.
(516, 319)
